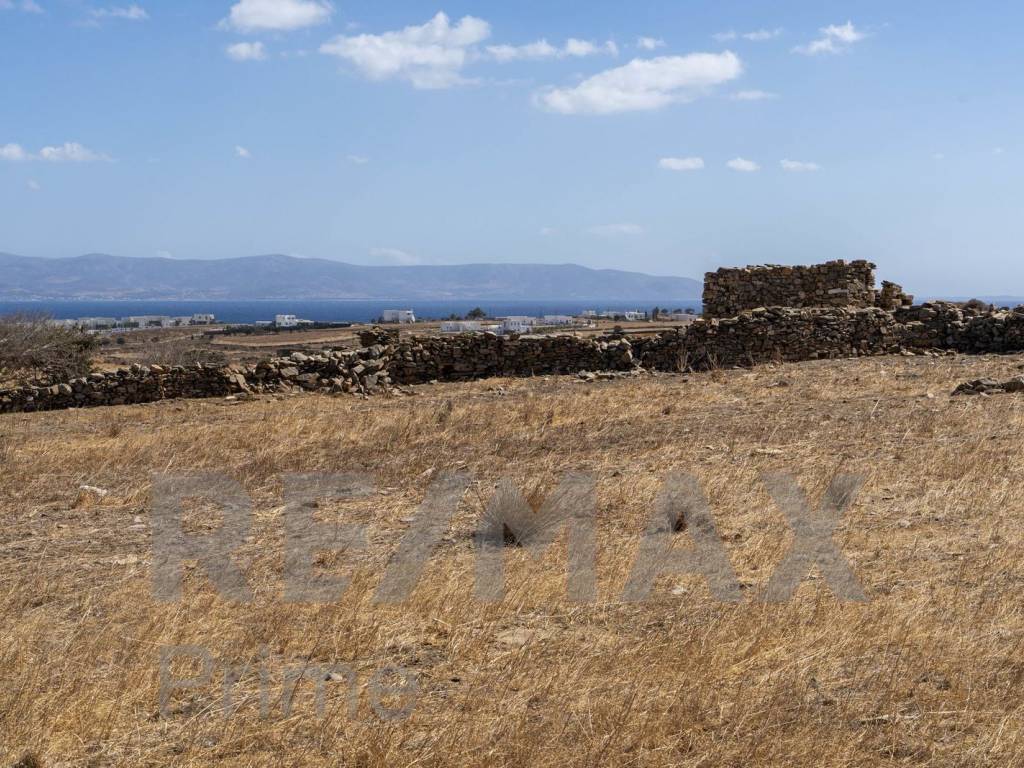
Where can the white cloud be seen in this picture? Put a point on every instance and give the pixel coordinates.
(246, 52)
(681, 163)
(242, 152)
(611, 230)
(542, 49)
(744, 166)
(428, 56)
(834, 39)
(71, 152)
(277, 15)
(799, 166)
(130, 13)
(644, 84)
(753, 96)
(548, 231)
(760, 35)
(574, 47)
(358, 159)
(998, 151)
(26, 6)
(33, 185)
(13, 153)
(649, 43)
(938, 156)
(725, 37)
(395, 256)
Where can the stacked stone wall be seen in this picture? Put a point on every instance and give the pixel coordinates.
(730, 291)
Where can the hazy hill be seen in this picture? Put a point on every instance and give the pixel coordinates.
(99, 276)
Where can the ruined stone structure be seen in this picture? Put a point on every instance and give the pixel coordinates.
(730, 291)
(750, 337)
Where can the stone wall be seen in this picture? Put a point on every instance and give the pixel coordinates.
(474, 356)
(730, 291)
(750, 337)
(362, 371)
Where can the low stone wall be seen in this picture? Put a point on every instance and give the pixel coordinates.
(730, 291)
(361, 371)
(758, 336)
(474, 356)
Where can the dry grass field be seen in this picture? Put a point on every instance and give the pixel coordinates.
(928, 671)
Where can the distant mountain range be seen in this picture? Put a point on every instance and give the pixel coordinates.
(99, 276)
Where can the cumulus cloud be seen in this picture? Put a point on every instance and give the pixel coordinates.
(130, 13)
(26, 6)
(277, 15)
(644, 84)
(834, 39)
(753, 96)
(242, 152)
(14, 153)
(428, 56)
(246, 52)
(799, 166)
(649, 43)
(681, 163)
(70, 152)
(743, 166)
(611, 230)
(725, 37)
(542, 49)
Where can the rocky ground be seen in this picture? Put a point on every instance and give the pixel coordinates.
(926, 671)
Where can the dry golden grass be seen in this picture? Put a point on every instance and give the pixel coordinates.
(928, 672)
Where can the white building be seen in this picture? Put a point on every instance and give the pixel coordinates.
(634, 315)
(398, 316)
(460, 326)
(558, 320)
(147, 321)
(95, 323)
(517, 324)
(286, 321)
(203, 319)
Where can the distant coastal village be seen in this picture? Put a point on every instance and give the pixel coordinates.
(475, 321)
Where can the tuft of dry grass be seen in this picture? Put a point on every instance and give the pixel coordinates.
(927, 672)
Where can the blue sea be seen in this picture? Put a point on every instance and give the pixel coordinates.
(339, 311)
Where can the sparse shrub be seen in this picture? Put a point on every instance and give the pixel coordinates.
(32, 346)
(185, 353)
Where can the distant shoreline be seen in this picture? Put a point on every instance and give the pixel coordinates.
(327, 310)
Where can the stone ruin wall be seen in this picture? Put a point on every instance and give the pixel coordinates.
(760, 335)
(730, 291)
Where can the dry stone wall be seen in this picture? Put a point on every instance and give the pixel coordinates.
(730, 291)
(764, 333)
(361, 371)
(474, 356)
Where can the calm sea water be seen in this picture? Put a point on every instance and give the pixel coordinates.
(326, 311)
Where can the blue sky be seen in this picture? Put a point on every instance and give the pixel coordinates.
(665, 137)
